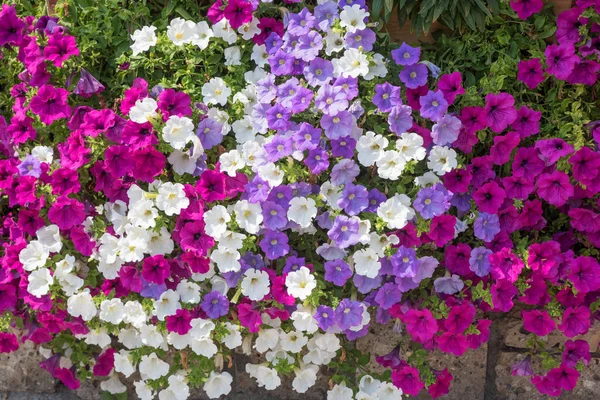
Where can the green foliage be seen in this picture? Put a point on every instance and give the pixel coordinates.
(458, 15)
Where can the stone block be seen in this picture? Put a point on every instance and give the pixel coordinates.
(20, 371)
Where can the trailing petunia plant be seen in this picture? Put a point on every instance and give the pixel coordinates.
(277, 183)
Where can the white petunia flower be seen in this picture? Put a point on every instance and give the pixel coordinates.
(40, 281)
(302, 211)
(49, 236)
(82, 305)
(143, 39)
(216, 220)
(233, 56)
(180, 31)
(305, 378)
(410, 145)
(370, 148)
(353, 18)
(171, 198)
(167, 304)
(178, 131)
(144, 110)
(152, 367)
(256, 284)
(353, 63)
(300, 283)
(396, 211)
(391, 165)
(215, 91)
(34, 255)
(442, 160)
(227, 259)
(218, 384)
(248, 216)
(231, 162)
(112, 311)
(202, 35)
(366, 263)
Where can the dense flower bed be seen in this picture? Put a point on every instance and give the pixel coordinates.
(288, 183)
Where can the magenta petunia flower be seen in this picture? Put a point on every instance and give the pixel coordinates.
(11, 26)
(555, 188)
(451, 86)
(452, 343)
(212, 186)
(156, 269)
(505, 265)
(561, 60)
(60, 48)
(268, 26)
(503, 293)
(575, 321)
(50, 104)
(148, 163)
(584, 73)
(408, 379)
(530, 72)
(538, 322)
(441, 386)
(499, 111)
(489, 197)
(238, 12)
(567, 26)
(575, 351)
(104, 363)
(171, 102)
(564, 377)
(526, 8)
(460, 318)
(421, 325)
(66, 213)
(585, 274)
(551, 150)
(503, 147)
(441, 230)
(8, 342)
(179, 323)
(527, 122)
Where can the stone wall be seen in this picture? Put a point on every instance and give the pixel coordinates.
(483, 374)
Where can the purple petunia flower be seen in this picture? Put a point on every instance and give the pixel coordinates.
(325, 14)
(388, 295)
(406, 55)
(30, 166)
(274, 216)
(318, 72)
(215, 305)
(486, 226)
(337, 272)
(433, 105)
(343, 147)
(344, 232)
(278, 117)
(414, 75)
(210, 133)
(348, 314)
(448, 285)
(274, 244)
(364, 38)
(479, 261)
(338, 125)
(405, 262)
(325, 317)
(561, 60)
(317, 161)
(446, 130)
(355, 198)
(331, 99)
(279, 148)
(257, 190)
(400, 119)
(431, 202)
(87, 85)
(499, 111)
(386, 97)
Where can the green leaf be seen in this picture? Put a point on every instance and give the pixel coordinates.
(482, 6)
(549, 31)
(377, 7)
(389, 6)
(181, 11)
(171, 4)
